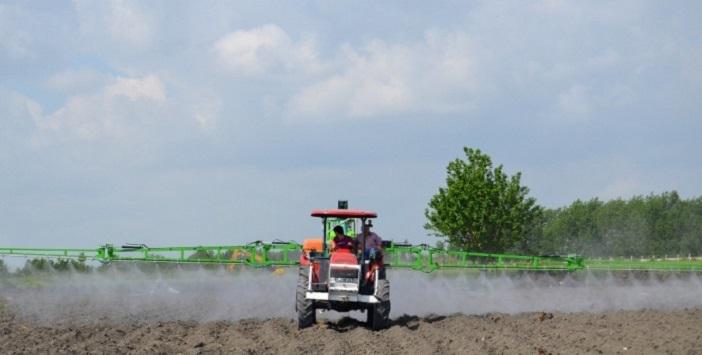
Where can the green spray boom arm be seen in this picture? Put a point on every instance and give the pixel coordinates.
(414, 257)
(257, 254)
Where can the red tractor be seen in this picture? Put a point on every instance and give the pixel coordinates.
(341, 280)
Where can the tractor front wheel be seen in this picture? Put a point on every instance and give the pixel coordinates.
(306, 313)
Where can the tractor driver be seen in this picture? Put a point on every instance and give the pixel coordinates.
(374, 244)
(341, 241)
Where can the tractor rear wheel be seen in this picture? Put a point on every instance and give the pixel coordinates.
(378, 314)
(306, 314)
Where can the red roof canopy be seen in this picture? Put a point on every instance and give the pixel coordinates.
(344, 213)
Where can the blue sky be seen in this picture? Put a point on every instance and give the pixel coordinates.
(214, 122)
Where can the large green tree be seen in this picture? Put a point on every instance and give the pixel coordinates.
(481, 208)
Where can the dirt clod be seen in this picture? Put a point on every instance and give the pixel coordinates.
(544, 316)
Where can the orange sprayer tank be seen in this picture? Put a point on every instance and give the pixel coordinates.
(310, 245)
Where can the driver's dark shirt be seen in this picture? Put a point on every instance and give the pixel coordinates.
(343, 242)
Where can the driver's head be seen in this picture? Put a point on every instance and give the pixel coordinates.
(367, 226)
(339, 230)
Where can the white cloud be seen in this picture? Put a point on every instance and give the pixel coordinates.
(107, 113)
(15, 42)
(262, 49)
(149, 87)
(206, 112)
(73, 81)
(128, 109)
(579, 104)
(17, 113)
(609, 58)
(123, 21)
(129, 24)
(437, 74)
(575, 103)
(18, 117)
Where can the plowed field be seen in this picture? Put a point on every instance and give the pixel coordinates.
(617, 332)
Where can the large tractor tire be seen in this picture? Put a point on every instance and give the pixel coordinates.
(378, 315)
(306, 313)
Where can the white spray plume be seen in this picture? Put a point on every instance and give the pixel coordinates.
(202, 295)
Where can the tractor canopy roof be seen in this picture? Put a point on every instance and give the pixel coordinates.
(339, 213)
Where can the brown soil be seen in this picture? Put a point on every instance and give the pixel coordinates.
(617, 332)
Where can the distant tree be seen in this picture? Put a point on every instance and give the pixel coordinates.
(481, 208)
(3, 268)
(649, 225)
(32, 266)
(202, 254)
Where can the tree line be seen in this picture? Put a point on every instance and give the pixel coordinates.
(653, 225)
(483, 209)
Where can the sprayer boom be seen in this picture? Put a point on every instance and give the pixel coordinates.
(402, 256)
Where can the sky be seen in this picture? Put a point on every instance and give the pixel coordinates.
(218, 122)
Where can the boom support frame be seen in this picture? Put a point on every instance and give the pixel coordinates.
(397, 256)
